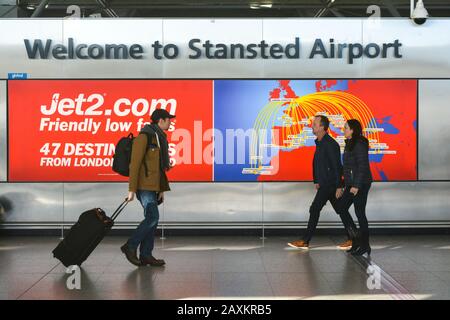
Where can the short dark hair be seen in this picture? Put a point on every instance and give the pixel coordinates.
(160, 114)
(324, 122)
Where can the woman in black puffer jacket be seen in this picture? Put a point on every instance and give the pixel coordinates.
(358, 180)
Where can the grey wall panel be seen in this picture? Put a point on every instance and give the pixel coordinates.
(284, 31)
(127, 32)
(12, 49)
(388, 201)
(3, 128)
(424, 50)
(290, 202)
(218, 202)
(421, 47)
(79, 197)
(187, 202)
(409, 201)
(434, 136)
(198, 203)
(228, 31)
(31, 203)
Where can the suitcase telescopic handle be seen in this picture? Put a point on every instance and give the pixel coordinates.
(119, 209)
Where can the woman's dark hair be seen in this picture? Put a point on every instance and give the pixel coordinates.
(357, 134)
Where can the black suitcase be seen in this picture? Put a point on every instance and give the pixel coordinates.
(85, 235)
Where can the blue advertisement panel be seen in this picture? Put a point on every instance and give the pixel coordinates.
(263, 127)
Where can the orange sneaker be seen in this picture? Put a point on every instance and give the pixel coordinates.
(345, 245)
(300, 244)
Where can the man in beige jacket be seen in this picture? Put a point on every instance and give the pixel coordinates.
(148, 181)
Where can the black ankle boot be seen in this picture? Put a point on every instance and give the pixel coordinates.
(364, 246)
(362, 250)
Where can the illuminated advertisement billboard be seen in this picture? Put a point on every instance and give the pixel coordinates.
(266, 125)
(224, 130)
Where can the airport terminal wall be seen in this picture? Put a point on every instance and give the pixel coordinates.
(280, 57)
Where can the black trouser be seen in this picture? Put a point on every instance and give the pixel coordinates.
(359, 201)
(324, 194)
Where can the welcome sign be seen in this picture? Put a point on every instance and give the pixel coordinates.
(37, 49)
(266, 48)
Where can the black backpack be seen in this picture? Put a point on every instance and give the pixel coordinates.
(122, 155)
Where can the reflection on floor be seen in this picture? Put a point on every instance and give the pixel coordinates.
(401, 267)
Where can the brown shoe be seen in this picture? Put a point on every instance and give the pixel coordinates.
(152, 261)
(130, 254)
(300, 244)
(345, 245)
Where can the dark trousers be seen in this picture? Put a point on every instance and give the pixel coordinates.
(359, 201)
(324, 194)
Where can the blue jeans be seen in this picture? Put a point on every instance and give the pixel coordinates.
(144, 235)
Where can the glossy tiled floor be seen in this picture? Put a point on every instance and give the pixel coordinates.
(410, 267)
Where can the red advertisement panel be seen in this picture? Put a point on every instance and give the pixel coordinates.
(66, 130)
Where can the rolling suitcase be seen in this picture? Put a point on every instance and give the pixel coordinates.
(85, 235)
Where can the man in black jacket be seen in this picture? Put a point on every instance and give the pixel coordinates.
(327, 173)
